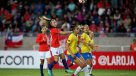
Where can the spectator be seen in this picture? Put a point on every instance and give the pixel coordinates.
(133, 46)
(93, 27)
(117, 15)
(71, 6)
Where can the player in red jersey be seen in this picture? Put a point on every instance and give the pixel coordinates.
(55, 47)
(133, 46)
(44, 52)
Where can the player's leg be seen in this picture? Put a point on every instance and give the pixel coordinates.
(77, 61)
(86, 69)
(88, 59)
(41, 67)
(64, 62)
(55, 54)
(49, 63)
(89, 62)
(42, 57)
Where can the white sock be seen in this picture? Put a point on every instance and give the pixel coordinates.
(90, 69)
(78, 69)
(86, 71)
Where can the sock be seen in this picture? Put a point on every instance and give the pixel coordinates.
(90, 71)
(53, 63)
(78, 69)
(65, 64)
(41, 69)
(50, 66)
(85, 69)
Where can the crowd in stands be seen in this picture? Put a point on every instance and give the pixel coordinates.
(102, 16)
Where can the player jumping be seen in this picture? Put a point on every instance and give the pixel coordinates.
(55, 47)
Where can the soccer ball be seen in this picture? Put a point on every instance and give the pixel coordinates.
(82, 1)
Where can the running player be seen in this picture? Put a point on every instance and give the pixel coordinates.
(87, 45)
(73, 54)
(44, 52)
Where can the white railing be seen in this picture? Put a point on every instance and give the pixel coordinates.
(122, 48)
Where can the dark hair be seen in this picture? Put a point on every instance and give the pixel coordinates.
(74, 27)
(49, 23)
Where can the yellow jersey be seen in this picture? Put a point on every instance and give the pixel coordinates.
(72, 41)
(85, 48)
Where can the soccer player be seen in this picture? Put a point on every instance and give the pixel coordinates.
(87, 45)
(73, 53)
(133, 46)
(55, 47)
(44, 52)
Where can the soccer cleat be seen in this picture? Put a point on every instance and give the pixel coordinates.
(69, 71)
(50, 73)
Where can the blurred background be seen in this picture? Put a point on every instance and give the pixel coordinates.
(112, 21)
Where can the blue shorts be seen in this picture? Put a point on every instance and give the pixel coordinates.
(77, 55)
(87, 56)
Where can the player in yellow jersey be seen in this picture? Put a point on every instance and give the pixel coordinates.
(73, 53)
(87, 45)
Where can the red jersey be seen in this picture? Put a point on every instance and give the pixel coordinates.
(42, 40)
(133, 47)
(54, 32)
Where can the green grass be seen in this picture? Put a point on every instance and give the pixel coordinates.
(35, 72)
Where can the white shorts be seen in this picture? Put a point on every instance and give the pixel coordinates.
(56, 51)
(44, 55)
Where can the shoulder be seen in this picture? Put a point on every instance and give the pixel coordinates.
(70, 36)
(83, 34)
(54, 29)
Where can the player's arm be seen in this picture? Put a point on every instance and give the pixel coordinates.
(69, 50)
(94, 47)
(68, 46)
(82, 40)
(65, 32)
(40, 39)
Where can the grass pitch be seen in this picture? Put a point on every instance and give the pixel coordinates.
(60, 72)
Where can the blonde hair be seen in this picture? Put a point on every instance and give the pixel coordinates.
(44, 21)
